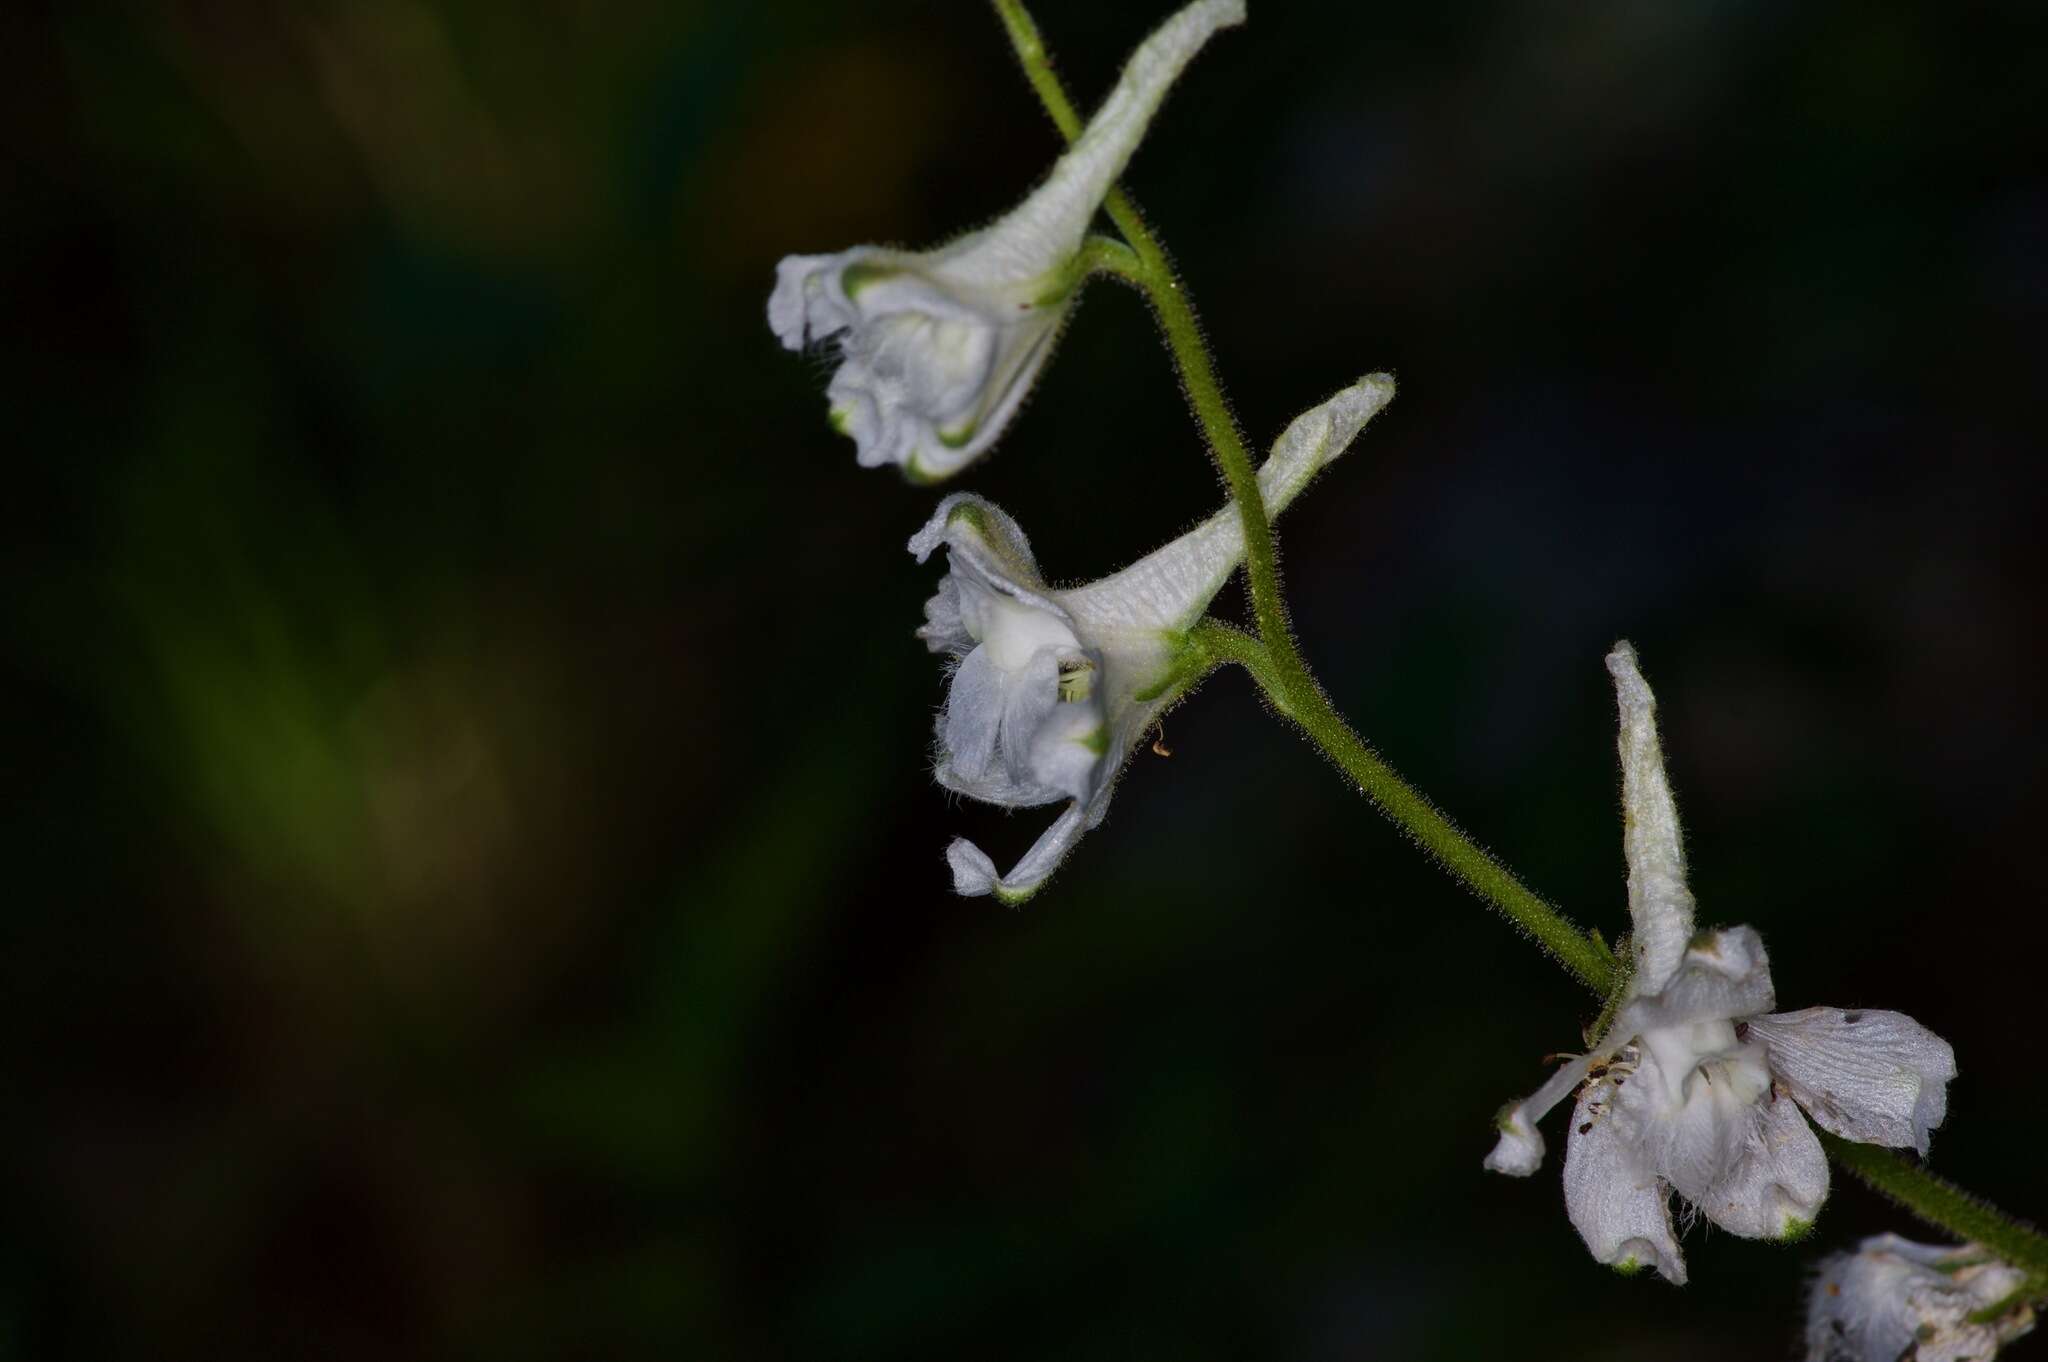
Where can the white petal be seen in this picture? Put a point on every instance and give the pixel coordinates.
(1777, 1184)
(1878, 1077)
(1061, 743)
(1721, 976)
(986, 541)
(1658, 901)
(930, 371)
(971, 725)
(930, 374)
(1041, 234)
(974, 873)
(807, 305)
(1619, 1207)
(1519, 1150)
(945, 629)
(1169, 589)
(1690, 1107)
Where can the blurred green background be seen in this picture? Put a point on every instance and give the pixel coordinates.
(479, 892)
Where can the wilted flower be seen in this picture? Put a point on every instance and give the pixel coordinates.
(1894, 1299)
(939, 347)
(1052, 689)
(1688, 1090)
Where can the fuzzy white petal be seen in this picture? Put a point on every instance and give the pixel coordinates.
(1878, 1077)
(1686, 1115)
(1659, 903)
(1776, 1185)
(1722, 975)
(993, 542)
(1519, 1150)
(1024, 723)
(1619, 1207)
(1006, 737)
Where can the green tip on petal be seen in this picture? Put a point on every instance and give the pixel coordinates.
(920, 476)
(854, 278)
(970, 514)
(1628, 1267)
(1013, 898)
(1098, 741)
(1794, 1230)
(838, 418)
(953, 439)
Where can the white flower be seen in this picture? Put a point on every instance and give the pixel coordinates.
(1894, 1299)
(1693, 1087)
(939, 347)
(1052, 689)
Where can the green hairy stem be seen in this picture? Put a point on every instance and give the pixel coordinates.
(1940, 1202)
(1275, 664)
(1154, 274)
(1305, 704)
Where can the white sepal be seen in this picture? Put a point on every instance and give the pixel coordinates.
(938, 348)
(1721, 974)
(1878, 1077)
(1659, 903)
(1776, 1184)
(1621, 1208)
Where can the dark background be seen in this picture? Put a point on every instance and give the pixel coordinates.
(478, 887)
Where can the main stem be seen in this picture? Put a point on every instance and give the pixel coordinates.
(1276, 665)
(1190, 355)
(1308, 707)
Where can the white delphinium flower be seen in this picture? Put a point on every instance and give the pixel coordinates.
(939, 347)
(1052, 689)
(1693, 1087)
(1894, 1299)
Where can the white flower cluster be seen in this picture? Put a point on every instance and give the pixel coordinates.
(1697, 1087)
(1050, 689)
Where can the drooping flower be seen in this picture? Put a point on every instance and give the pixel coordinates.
(1052, 688)
(1894, 1299)
(1693, 1088)
(938, 348)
